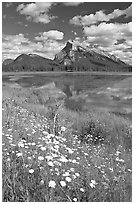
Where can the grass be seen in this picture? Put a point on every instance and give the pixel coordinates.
(55, 154)
(41, 166)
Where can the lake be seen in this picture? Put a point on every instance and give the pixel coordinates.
(84, 90)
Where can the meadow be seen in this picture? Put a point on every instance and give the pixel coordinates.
(66, 138)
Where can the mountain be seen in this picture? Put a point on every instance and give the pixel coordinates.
(30, 62)
(78, 58)
(7, 61)
(71, 58)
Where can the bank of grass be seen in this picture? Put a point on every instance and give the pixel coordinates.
(89, 161)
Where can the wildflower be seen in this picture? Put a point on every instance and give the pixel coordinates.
(8, 159)
(72, 169)
(50, 163)
(43, 148)
(12, 145)
(45, 132)
(117, 153)
(52, 184)
(33, 131)
(63, 159)
(21, 144)
(66, 174)
(111, 169)
(63, 129)
(74, 161)
(70, 151)
(56, 142)
(49, 157)
(82, 189)
(19, 154)
(54, 155)
(93, 183)
(75, 199)
(31, 171)
(74, 177)
(40, 158)
(77, 174)
(68, 179)
(63, 183)
(57, 163)
(56, 146)
(41, 182)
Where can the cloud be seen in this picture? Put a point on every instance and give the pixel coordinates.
(14, 45)
(15, 39)
(109, 31)
(37, 12)
(111, 37)
(100, 16)
(52, 34)
(8, 4)
(107, 36)
(72, 3)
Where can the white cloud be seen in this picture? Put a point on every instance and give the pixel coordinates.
(14, 45)
(52, 34)
(37, 12)
(8, 4)
(100, 16)
(106, 36)
(15, 39)
(72, 3)
(109, 32)
(113, 38)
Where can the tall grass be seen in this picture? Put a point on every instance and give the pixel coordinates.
(89, 162)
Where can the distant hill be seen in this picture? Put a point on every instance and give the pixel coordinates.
(30, 62)
(7, 61)
(71, 58)
(77, 58)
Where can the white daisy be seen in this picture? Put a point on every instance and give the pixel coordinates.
(31, 171)
(82, 189)
(40, 158)
(52, 184)
(43, 148)
(66, 174)
(75, 199)
(77, 174)
(50, 163)
(63, 183)
(63, 129)
(19, 154)
(68, 179)
(41, 182)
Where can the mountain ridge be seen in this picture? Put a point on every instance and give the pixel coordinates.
(71, 58)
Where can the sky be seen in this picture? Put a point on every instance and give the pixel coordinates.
(43, 28)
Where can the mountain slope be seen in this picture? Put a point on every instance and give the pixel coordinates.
(30, 62)
(71, 58)
(7, 61)
(89, 59)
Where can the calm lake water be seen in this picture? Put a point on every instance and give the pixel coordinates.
(91, 89)
(79, 81)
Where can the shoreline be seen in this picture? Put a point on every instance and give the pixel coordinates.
(67, 73)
